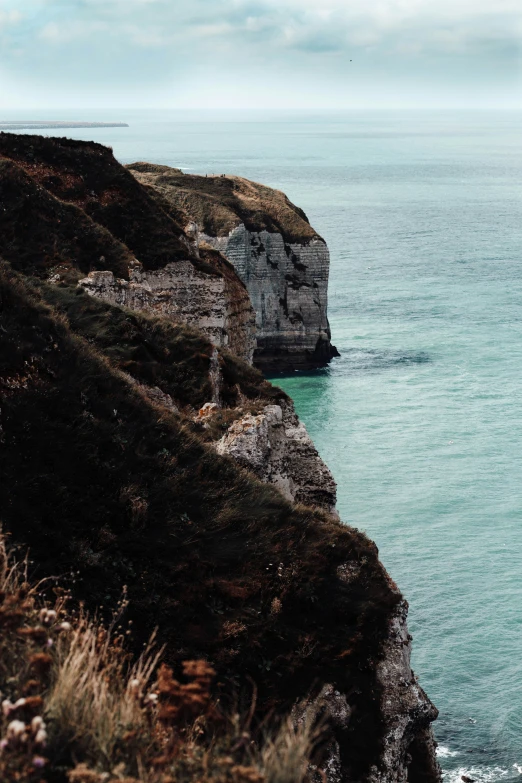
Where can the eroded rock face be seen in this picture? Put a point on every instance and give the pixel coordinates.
(276, 447)
(407, 713)
(282, 261)
(288, 286)
(348, 634)
(185, 294)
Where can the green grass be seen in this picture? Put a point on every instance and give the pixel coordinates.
(41, 235)
(155, 351)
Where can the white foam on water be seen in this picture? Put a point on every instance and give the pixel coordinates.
(478, 774)
(445, 753)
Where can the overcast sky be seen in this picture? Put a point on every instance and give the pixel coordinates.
(260, 53)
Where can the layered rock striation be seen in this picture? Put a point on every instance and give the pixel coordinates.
(183, 293)
(282, 261)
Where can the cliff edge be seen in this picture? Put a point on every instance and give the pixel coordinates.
(282, 261)
(138, 452)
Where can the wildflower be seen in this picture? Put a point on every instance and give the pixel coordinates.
(47, 616)
(134, 685)
(65, 627)
(16, 730)
(3, 744)
(6, 707)
(37, 723)
(41, 737)
(18, 704)
(39, 762)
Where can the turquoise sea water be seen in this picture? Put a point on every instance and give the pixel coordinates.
(420, 419)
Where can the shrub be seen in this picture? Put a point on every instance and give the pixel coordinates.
(80, 709)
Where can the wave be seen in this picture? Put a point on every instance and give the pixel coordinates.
(481, 774)
(369, 359)
(445, 753)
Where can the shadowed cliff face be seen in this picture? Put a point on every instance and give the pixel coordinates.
(110, 471)
(283, 262)
(70, 210)
(97, 479)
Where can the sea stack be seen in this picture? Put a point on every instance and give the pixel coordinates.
(282, 261)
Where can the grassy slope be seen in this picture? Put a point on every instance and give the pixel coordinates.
(219, 204)
(87, 175)
(85, 711)
(157, 352)
(40, 234)
(97, 480)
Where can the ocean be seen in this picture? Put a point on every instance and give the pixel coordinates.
(420, 419)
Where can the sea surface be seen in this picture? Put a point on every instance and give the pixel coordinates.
(420, 419)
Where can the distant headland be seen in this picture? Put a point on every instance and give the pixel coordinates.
(41, 125)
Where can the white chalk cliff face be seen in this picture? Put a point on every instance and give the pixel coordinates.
(287, 281)
(288, 286)
(408, 746)
(276, 447)
(184, 294)
(282, 261)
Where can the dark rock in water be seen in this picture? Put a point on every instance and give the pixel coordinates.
(465, 779)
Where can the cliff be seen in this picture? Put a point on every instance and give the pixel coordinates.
(276, 253)
(88, 215)
(137, 451)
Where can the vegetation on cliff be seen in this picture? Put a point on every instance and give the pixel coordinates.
(220, 203)
(87, 175)
(78, 707)
(116, 494)
(103, 484)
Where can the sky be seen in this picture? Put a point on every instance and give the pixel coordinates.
(260, 53)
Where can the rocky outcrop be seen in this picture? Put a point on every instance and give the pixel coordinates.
(283, 262)
(276, 447)
(99, 438)
(288, 286)
(408, 746)
(182, 293)
(89, 215)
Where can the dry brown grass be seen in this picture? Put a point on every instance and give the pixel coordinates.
(77, 708)
(96, 697)
(219, 204)
(285, 757)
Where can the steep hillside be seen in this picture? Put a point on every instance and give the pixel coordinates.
(87, 175)
(218, 203)
(102, 483)
(70, 209)
(141, 458)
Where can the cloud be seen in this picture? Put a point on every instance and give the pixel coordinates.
(9, 18)
(108, 44)
(302, 24)
(64, 33)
